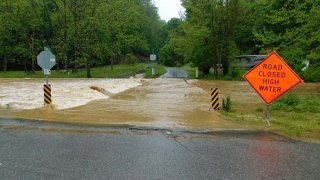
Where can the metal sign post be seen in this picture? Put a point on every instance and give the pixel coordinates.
(268, 115)
(47, 81)
(46, 60)
(153, 58)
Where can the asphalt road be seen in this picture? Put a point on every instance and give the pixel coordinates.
(35, 150)
(175, 73)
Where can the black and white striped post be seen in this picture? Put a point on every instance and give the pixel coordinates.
(214, 99)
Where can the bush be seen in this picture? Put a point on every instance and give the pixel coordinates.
(131, 59)
(312, 74)
(167, 55)
(286, 102)
(226, 104)
(292, 102)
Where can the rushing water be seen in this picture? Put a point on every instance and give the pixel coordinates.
(157, 103)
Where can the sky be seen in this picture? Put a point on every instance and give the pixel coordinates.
(168, 8)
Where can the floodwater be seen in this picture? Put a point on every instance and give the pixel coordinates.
(66, 93)
(163, 103)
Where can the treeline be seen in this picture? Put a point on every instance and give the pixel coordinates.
(81, 33)
(215, 31)
(86, 33)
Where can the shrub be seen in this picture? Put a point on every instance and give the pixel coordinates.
(259, 110)
(226, 104)
(167, 55)
(292, 102)
(312, 74)
(131, 59)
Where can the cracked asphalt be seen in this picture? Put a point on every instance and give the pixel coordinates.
(39, 150)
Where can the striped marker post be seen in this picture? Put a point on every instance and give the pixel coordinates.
(214, 99)
(47, 94)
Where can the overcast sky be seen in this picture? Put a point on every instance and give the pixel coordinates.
(168, 8)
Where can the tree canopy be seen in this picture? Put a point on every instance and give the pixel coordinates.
(79, 32)
(85, 33)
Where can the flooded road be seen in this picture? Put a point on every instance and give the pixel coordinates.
(168, 103)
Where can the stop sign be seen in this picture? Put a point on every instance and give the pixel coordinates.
(46, 60)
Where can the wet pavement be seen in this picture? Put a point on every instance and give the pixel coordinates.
(175, 73)
(39, 150)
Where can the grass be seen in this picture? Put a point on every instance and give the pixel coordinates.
(119, 71)
(234, 74)
(159, 70)
(299, 114)
(296, 114)
(191, 70)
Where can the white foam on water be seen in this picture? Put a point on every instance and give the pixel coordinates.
(66, 93)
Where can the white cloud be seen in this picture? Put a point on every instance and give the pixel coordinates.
(168, 8)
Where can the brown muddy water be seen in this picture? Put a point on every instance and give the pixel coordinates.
(163, 103)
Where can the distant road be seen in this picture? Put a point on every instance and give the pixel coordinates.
(175, 73)
(35, 150)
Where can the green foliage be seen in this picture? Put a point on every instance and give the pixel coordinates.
(81, 33)
(312, 74)
(119, 71)
(131, 59)
(214, 32)
(259, 110)
(226, 104)
(167, 56)
(292, 102)
(89, 33)
(292, 28)
(191, 70)
(159, 70)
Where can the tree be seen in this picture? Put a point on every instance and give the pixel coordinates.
(208, 28)
(82, 33)
(292, 28)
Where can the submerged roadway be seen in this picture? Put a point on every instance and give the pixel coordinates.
(44, 150)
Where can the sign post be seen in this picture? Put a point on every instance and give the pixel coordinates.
(46, 60)
(153, 58)
(272, 78)
(268, 115)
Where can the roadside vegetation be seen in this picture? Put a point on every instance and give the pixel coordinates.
(118, 71)
(296, 114)
(85, 34)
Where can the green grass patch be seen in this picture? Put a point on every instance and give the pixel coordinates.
(159, 70)
(191, 70)
(297, 115)
(234, 73)
(119, 71)
(292, 102)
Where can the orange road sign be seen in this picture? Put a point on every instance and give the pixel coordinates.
(272, 78)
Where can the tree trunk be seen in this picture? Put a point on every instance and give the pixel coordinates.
(32, 51)
(215, 70)
(66, 61)
(88, 68)
(4, 67)
(33, 62)
(112, 62)
(113, 40)
(25, 65)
